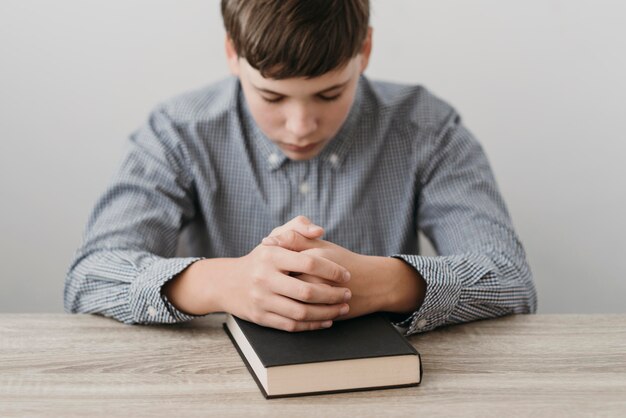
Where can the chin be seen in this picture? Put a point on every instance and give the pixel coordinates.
(299, 156)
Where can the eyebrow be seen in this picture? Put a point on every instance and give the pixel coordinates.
(336, 86)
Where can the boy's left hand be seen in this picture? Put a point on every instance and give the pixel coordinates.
(369, 294)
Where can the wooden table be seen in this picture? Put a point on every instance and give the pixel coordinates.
(90, 366)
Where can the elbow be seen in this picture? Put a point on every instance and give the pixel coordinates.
(531, 298)
(516, 292)
(88, 290)
(76, 290)
(70, 293)
(527, 303)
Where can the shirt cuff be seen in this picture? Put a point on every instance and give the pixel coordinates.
(443, 290)
(147, 304)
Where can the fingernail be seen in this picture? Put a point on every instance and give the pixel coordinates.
(344, 310)
(347, 296)
(270, 241)
(327, 324)
(314, 228)
(346, 276)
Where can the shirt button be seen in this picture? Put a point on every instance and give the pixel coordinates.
(152, 311)
(421, 323)
(334, 159)
(304, 188)
(273, 158)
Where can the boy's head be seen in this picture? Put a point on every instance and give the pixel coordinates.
(299, 63)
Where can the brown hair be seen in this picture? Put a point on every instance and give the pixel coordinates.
(296, 38)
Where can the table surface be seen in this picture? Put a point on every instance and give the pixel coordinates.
(88, 365)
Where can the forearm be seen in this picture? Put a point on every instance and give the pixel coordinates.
(472, 286)
(197, 290)
(122, 284)
(402, 288)
(383, 284)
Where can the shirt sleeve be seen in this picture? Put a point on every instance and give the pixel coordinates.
(481, 269)
(128, 249)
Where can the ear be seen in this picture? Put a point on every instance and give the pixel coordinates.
(231, 56)
(366, 49)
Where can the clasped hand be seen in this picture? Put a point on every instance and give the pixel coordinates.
(298, 282)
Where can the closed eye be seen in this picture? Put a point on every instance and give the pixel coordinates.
(276, 100)
(331, 98)
(321, 97)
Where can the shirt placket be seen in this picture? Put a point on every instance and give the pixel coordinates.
(300, 188)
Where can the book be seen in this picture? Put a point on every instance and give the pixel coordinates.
(362, 353)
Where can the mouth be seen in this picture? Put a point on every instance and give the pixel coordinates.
(297, 149)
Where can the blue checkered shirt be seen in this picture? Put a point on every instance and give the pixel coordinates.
(200, 180)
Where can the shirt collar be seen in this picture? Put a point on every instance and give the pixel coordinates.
(333, 154)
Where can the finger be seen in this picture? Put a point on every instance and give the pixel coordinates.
(291, 240)
(308, 292)
(313, 279)
(302, 225)
(286, 324)
(290, 261)
(299, 311)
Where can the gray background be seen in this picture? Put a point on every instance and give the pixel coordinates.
(540, 83)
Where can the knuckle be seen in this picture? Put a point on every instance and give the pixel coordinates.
(299, 314)
(256, 317)
(308, 263)
(291, 236)
(313, 252)
(301, 219)
(291, 326)
(257, 279)
(255, 296)
(265, 254)
(305, 292)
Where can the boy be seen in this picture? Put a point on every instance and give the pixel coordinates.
(253, 167)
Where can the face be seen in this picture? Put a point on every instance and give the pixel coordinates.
(299, 115)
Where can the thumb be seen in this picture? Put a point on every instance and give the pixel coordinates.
(313, 231)
(290, 240)
(309, 230)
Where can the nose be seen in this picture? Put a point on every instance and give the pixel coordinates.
(301, 121)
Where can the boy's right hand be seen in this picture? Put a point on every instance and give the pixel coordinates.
(258, 287)
(261, 289)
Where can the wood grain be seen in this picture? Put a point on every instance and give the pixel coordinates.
(525, 365)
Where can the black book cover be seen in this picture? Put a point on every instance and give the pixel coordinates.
(362, 337)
